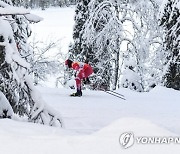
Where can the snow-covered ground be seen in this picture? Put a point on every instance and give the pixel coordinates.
(95, 110)
(93, 123)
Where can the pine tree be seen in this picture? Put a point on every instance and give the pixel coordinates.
(170, 20)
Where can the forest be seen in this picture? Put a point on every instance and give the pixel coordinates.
(130, 44)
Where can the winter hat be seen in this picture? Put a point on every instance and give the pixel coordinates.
(69, 63)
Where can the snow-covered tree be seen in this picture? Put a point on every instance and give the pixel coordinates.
(142, 46)
(126, 33)
(16, 84)
(102, 33)
(81, 15)
(79, 46)
(42, 65)
(170, 20)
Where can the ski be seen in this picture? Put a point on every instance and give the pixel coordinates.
(116, 93)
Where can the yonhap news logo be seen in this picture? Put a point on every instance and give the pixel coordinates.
(128, 139)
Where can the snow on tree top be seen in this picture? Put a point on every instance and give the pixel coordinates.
(10, 10)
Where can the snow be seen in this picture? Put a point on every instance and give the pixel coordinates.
(4, 105)
(33, 18)
(98, 104)
(13, 10)
(93, 123)
(161, 8)
(5, 29)
(178, 5)
(57, 24)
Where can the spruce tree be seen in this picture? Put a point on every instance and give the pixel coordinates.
(78, 49)
(81, 15)
(170, 20)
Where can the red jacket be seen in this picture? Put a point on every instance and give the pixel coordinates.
(79, 66)
(84, 69)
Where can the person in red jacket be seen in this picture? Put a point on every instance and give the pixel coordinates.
(84, 70)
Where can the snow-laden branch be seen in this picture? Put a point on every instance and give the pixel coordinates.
(6, 110)
(11, 10)
(32, 18)
(96, 18)
(6, 9)
(41, 111)
(17, 85)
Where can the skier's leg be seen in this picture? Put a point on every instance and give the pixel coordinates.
(78, 83)
(78, 86)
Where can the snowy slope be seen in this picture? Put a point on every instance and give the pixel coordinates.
(93, 123)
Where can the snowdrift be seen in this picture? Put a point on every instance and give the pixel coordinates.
(94, 123)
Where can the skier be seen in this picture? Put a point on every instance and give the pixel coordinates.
(84, 70)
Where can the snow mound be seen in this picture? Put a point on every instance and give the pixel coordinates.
(163, 90)
(95, 122)
(40, 139)
(106, 141)
(136, 125)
